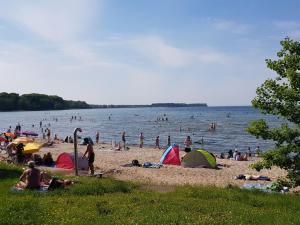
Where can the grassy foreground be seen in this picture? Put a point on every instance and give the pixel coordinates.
(106, 201)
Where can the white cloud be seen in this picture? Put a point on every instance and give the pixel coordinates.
(55, 20)
(290, 28)
(290, 25)
(165, 54)
(230, 26)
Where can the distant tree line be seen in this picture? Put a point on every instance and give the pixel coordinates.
(152, 105)
(15, 102)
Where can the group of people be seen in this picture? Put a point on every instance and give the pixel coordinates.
(16, 155)
(188, 142)
(238, 156)
(75, 118)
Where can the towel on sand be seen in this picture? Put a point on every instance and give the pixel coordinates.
(152, 165)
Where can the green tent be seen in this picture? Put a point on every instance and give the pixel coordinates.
(199, 159)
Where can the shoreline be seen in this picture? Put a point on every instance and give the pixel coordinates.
(112, 161)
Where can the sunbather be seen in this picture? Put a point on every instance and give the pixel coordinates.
(30, 179)
(53, 182)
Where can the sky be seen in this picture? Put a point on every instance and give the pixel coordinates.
(141, 51)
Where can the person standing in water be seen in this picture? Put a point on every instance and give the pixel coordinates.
(141, 140)
(124, 139)
(91, 157)
(97, 137)
(169, 140)
(157, 142)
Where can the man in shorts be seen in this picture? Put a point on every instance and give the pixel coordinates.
(91, 157)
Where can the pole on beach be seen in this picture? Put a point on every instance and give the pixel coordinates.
(75, 150)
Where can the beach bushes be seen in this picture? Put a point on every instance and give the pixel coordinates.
(281, 97)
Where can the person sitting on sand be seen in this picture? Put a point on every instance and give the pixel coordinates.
(30, 179)
(91, 157)
(238, 157)
(222, 155)
(20, 157)
(37, 159)
(11, 148)
(71, 139)
(67, 139)
(48, 160)
(244, 157)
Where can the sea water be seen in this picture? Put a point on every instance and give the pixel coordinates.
(230, 132)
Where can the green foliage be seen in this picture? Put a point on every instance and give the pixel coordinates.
(124, 203)
(12, 101)
(281, 97)
(279, 184)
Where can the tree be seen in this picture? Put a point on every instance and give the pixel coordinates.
(281, 97)
(12, 101)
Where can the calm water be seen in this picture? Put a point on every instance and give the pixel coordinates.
(193, 121)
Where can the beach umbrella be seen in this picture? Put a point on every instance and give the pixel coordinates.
(30, 133)
(9, 135)
(23, 140)
(32, 147)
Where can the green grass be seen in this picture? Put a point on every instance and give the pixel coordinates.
(107, 201)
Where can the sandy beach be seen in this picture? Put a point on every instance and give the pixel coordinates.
(108, 160)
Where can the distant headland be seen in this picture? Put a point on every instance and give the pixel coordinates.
(37, 102)
(152, 105)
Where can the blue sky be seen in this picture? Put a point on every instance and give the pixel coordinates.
(140, 52)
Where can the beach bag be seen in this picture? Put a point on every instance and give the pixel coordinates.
(135, 162)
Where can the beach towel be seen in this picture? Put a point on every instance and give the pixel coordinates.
(152, 165)
(21, 190)
(261, 187)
